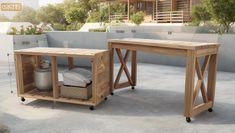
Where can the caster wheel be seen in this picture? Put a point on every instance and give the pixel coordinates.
(188, 119)
(92, 108)
(105, 98)
(112, 93)
(132, 87)
(210, 110)
(22, 99)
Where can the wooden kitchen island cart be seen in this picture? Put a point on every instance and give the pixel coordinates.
(201, 61)
(27, 60)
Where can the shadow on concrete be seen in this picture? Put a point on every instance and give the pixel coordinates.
(146, 102)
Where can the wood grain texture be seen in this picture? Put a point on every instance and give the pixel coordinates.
(19, 74)
(121, 68)
(71, 63)
(54, 73)
(212, 78)
(66, 52)
(29, 59)
(111, 65)
(134, 67)
(189, 83)
(165, 43)
(102, 76)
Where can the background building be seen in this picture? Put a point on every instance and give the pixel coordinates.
(161, 11)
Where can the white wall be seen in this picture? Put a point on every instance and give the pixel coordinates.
(6, 47)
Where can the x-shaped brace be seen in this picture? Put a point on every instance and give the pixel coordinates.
(124, 67)
(200, 83)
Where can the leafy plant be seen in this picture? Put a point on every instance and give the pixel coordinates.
(98, 30)
(52, 14)
(200, 13)
(22, 32)
(59, 26)
(138, 18)
(30, 30)
(223, 12)
(219, 11)
(13, 31)
(94, 17)
(75, 16)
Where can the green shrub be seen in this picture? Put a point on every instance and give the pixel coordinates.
(30, 30)
(219, 11)
(94, 17)
(33, 30)
(74, 27)
(97, 30)
(138, 18)
(13, 31)
(223, 12)
(59, 27)
(200, 13)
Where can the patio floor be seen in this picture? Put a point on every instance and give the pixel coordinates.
(156, 106)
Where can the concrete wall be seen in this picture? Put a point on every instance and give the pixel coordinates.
(99, 41)
(6, 47)
(9, 43)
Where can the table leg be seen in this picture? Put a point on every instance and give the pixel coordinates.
(70, 62)
(111, 50)
(19, 74)
(134, 68)
(189, 84)
(212, 78)
(54, 69)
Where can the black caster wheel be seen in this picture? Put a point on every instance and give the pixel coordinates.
(22, 99)
(105, 98)
(92, 108)
(188, 119)
(210, 110)
(132, 87)
(112, 93)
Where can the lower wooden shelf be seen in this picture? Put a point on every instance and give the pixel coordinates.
(35, 94)
(38, 95)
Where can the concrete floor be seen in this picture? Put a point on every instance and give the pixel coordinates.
(155, 106)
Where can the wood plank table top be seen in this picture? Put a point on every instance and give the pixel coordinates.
(165, 43)
(59, 51)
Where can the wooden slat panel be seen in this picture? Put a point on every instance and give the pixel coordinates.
(69, 52)
(153, 49)
(102, 61)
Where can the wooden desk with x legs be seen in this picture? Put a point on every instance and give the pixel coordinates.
(191, 50)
